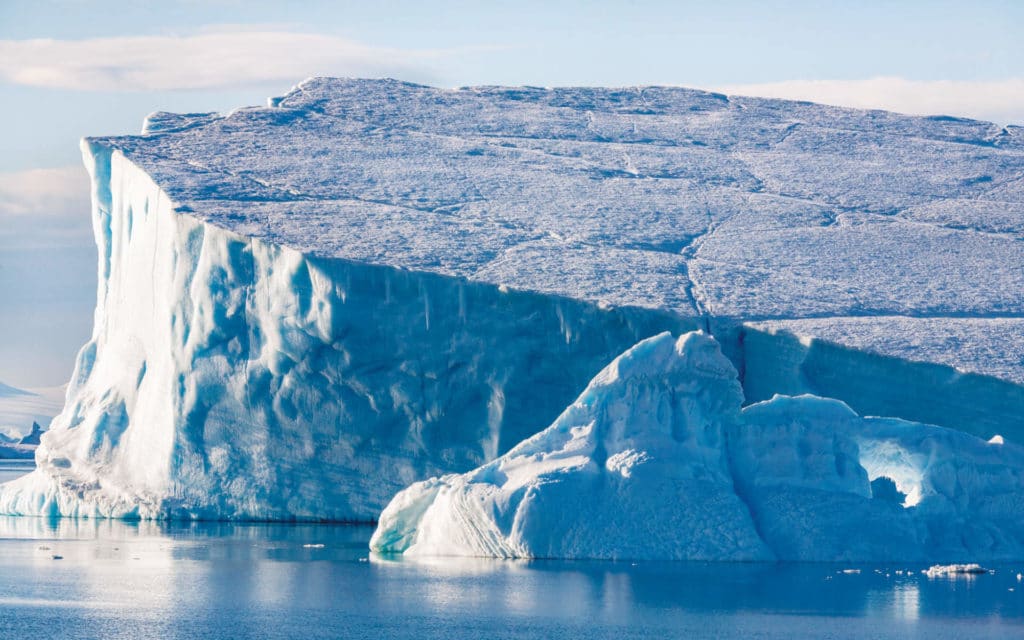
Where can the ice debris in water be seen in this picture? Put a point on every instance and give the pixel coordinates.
(655, 459)
(939, 570)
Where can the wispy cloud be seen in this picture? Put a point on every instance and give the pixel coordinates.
(999, 101)
(208, 59)
(47, 273)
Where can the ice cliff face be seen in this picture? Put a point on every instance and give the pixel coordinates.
(655, 460)
(305, 307)
(230, 377)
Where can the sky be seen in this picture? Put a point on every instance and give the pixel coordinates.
(74, 68)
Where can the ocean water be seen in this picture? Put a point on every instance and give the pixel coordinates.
(11, 469)
(104, 579)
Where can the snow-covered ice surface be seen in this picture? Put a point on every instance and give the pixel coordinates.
(656, 460)
(303, 308)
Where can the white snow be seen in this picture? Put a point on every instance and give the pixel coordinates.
(305, 307)
(793, 478)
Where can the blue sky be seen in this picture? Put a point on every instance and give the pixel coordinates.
(75, 68)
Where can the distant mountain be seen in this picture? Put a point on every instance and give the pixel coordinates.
(7, 391)
(23, 409)
(23, 448)
(32, 439)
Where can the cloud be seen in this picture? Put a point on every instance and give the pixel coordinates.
(208, 59)
(43, 191)
(45, 208)
(47, 273)
(1000, 101)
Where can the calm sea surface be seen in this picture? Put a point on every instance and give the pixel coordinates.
(81, 579)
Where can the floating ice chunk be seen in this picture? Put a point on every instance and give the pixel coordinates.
(996, 439)
(940, 570)
(635, 468)
(655, 461)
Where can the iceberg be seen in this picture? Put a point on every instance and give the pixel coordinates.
(955, 570)
(635, 468)
(656, 460)
(305, 307)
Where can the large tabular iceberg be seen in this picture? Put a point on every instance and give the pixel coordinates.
(656, 460)
(305, 307)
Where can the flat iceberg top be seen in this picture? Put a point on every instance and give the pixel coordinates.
(990, 346)
(655, 197)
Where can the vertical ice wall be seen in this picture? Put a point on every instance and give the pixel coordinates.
(230, 377)
(872, 384)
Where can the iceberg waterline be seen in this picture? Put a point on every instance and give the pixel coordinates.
(305, 308)
(656, 460)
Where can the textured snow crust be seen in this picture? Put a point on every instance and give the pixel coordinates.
(656, 460)
(766, 208)
(305, 307)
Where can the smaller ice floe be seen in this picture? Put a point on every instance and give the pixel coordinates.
(996, 439)
(312, 546)
(941, 570)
